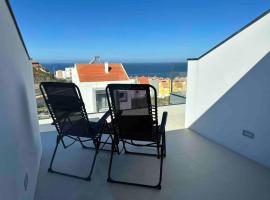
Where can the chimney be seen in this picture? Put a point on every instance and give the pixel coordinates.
(106, 67)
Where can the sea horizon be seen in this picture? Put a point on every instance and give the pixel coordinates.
(161, 69)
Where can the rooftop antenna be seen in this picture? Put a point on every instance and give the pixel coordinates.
(95, 60)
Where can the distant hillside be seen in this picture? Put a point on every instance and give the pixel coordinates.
(42, 75)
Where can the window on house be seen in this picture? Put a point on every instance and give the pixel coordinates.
(101, 101)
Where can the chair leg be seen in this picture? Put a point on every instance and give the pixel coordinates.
(54, 152)
(88, 178)
(83, 146)
(111, 159)
(158, 186)
(158, 153)
(94, 159)
(161, 168)
(63, 143)
(117, 149)
(164, 143)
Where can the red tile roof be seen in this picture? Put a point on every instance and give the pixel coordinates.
(96, 72)
(143, 80)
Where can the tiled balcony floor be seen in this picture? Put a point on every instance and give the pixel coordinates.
(195, 168)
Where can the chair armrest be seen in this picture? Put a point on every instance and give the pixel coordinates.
(104, 117)
(163, 122)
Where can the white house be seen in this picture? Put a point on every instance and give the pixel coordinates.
(92, 80)
(59, 74)
(68, 72)
(64, 74)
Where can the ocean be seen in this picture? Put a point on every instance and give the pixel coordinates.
(138, 69)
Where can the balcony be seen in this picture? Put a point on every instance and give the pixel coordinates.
(219, 107)
(195, 168)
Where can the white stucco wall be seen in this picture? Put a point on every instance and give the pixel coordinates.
(214, 74)
(20, 146)
(228, 92)
(246, 106)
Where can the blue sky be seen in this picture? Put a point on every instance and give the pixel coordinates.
(129, 30)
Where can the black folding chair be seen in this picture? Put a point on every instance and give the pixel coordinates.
(133, 109)
(66, 107)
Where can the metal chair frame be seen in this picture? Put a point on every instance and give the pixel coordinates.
(159, 144)
(95, 137)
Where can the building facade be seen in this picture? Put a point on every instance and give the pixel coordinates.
(92, 80)
(179, 85)
(162, 86)
(68, 73)
(59, 74)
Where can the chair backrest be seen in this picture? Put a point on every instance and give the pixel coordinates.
(133, 109)
(66, 107)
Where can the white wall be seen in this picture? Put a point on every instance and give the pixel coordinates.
(20, 146)
(68, 72)
(228, 92)
(191, 98)
(214, 74)
(246, 106)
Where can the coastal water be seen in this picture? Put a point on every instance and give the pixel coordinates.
(138, 69)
